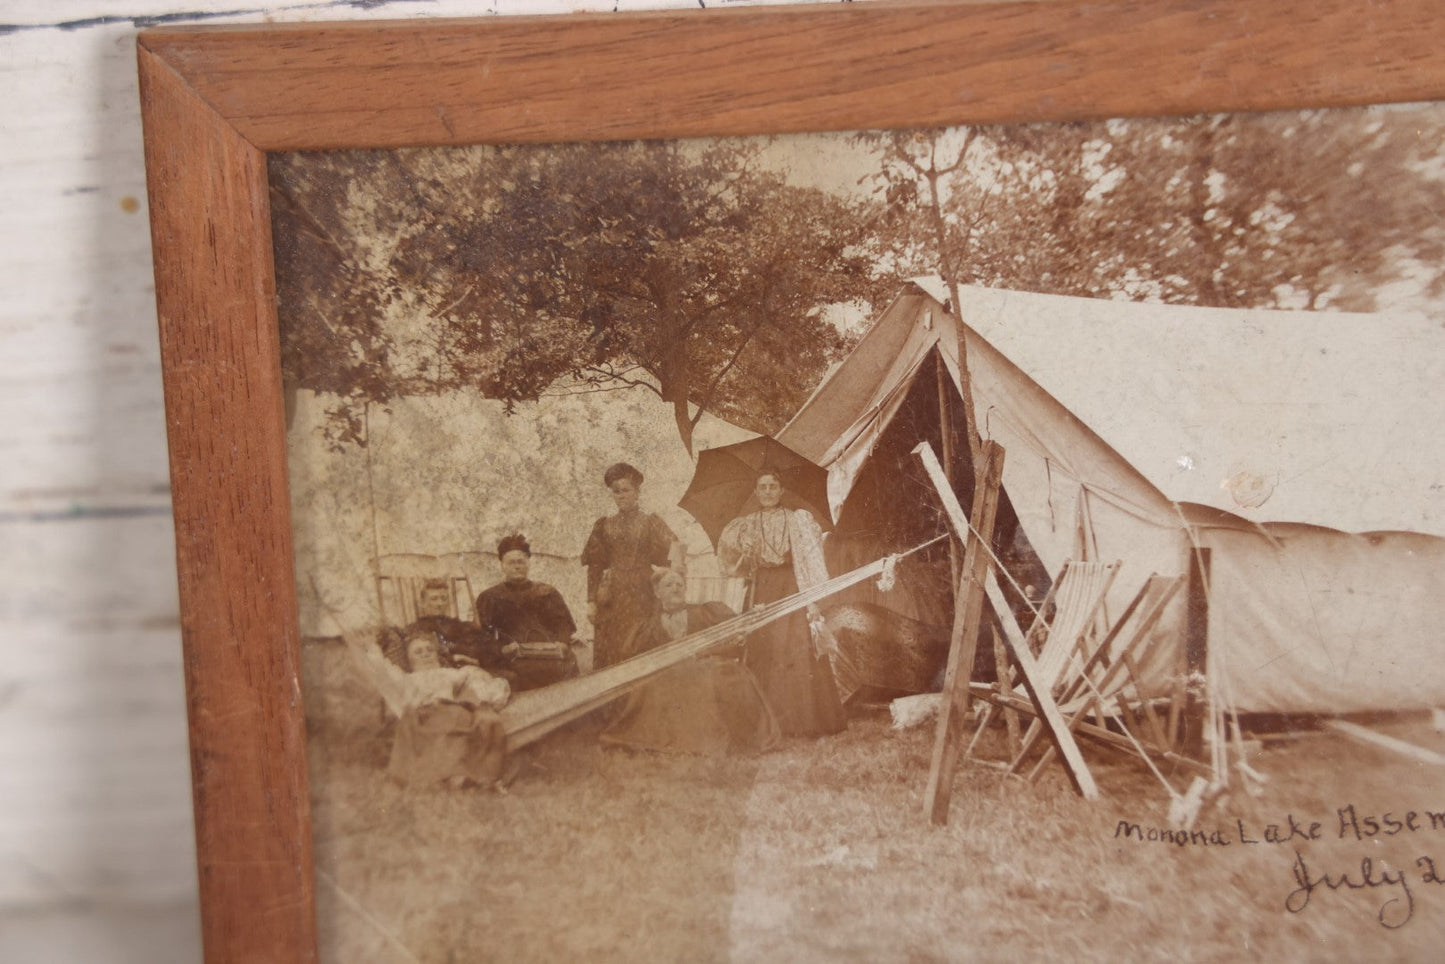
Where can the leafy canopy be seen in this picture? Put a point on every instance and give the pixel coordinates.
(690, 270)
(1315, 209)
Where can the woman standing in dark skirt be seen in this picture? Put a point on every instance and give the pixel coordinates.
(620, 555)
(776, 548)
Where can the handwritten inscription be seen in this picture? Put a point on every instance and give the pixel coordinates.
(1396, 910)
(1352, 825)
(1310, 876)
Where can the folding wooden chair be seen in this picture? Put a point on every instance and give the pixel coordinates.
(1076, 600)
(1104, 688)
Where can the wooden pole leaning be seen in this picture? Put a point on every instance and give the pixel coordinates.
(967, 619)
(1152, 599)
(1055, 726)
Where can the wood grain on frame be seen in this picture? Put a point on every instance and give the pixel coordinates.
(220, 350)
(215, 100)
(833, 67)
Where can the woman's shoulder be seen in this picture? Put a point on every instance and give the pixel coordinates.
(738, 522)
(597, 541)
(806, 517)
(657, 522)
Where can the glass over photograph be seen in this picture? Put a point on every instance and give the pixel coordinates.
(944, 545)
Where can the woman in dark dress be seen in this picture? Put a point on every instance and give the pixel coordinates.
(777, 549)
(708, 705)
(526, 622)
(620, 555)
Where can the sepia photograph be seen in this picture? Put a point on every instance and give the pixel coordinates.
(916, 545)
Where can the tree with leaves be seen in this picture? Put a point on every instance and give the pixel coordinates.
(689, 270)
(1309, 209)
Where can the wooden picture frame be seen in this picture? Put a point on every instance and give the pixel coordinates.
(216, 101)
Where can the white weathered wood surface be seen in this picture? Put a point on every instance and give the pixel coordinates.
(96, 853)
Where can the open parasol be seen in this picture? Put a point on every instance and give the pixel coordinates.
(722, 485)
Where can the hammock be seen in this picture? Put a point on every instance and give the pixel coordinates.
(535, 713)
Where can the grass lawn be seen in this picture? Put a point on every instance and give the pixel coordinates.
(820, 852)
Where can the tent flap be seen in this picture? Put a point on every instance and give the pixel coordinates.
(1290, 426)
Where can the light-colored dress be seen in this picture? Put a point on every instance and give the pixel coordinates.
(447, 724)
(780, 550)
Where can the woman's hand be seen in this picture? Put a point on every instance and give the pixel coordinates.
(592, 613)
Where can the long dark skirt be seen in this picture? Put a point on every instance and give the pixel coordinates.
(628, 603)
(798, 686)
(706, 705)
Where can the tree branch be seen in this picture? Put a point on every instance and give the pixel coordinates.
(706, 399)
(629, 382)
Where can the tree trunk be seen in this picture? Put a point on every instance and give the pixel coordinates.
(684, 422)
(675, 374)
(950, 278)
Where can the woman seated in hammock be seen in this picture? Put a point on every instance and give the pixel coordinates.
(448, 729)
(707, 705)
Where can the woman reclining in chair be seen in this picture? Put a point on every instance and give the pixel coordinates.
(448, 730)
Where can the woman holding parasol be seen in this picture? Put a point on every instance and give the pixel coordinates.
(775, 541)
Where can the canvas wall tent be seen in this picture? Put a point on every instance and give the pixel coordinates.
(1301, 448)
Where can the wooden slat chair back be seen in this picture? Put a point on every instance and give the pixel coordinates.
(1100, 697)
(729, 590)
(402, 578)
(1101, 688)
(1078, 598)
(1067, 621)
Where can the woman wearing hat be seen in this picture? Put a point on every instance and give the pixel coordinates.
(527, 621)
(620, 555)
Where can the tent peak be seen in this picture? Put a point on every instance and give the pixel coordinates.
(935, 287)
